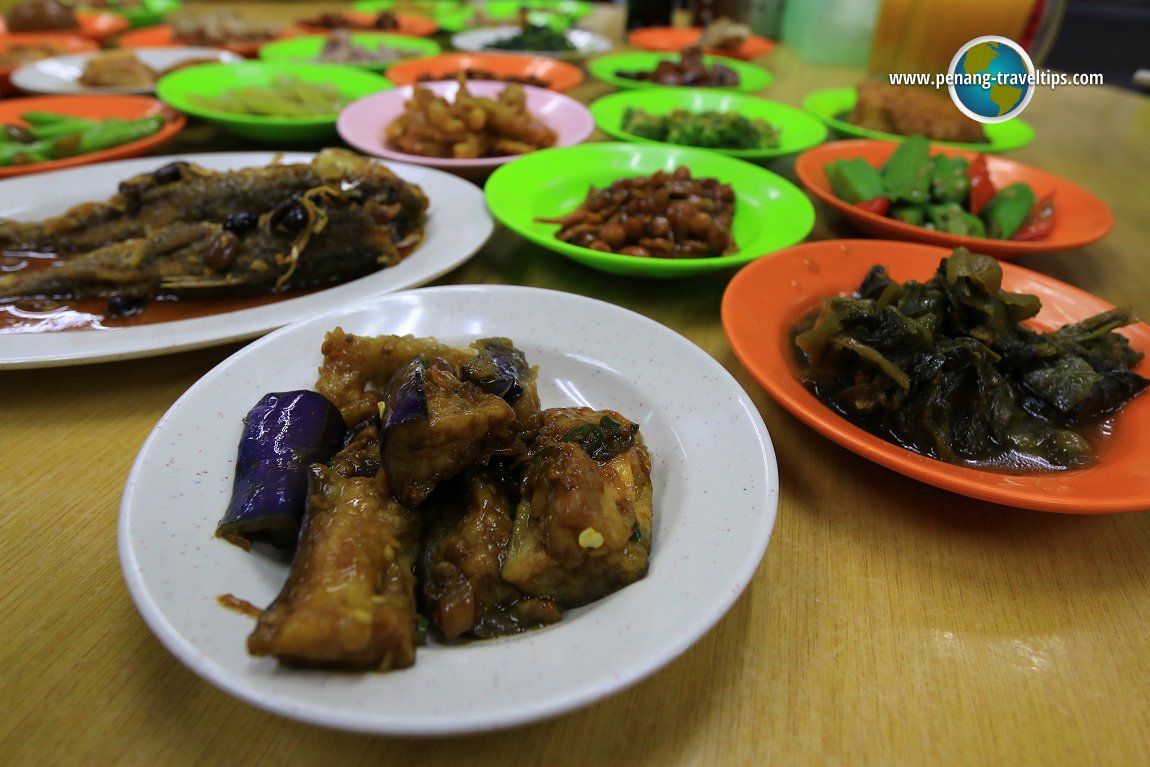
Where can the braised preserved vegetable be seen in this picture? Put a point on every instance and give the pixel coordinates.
(691, 70)
(945, 368)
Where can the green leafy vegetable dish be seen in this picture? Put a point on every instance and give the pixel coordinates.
(710, 129)
(534, 37)
(945, 368)
(947, 194)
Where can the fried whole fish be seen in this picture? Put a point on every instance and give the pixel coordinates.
(207, 233)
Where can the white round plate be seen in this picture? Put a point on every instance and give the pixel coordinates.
(715, 488)
(458, 224)
(477, 41)
(61, 74)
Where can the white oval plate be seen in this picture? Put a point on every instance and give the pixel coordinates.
(476, 41)
(61, 74)
(715, 487)
(458, 224)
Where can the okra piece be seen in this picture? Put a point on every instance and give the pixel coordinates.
(855, 180)
(1008, 210)
(948, 180)
(909, 214)
(906, 175)
(950, 217)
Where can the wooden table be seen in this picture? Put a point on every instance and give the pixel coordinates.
(889, 622)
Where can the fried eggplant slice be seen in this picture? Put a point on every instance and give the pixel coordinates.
(583, 522)
(500, 368)
(464, 547)
(349, 601)
(435, 425)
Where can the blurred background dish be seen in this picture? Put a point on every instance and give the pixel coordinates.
(271, 93)
(374, 51)
(539, 71)
(834, 105)
(369, 21)
(795, 130)
(363, 124)
(141, 13)
(220, 29)
(450, 15)
(97, 25)
(750, 78)
(678, 38)
(19, 49)
(66, 74)
(488, 40)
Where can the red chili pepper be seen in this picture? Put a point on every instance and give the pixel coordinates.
(1039, 223)
(981, 187)
(878, 205)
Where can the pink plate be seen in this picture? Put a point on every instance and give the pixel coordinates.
(362, 123)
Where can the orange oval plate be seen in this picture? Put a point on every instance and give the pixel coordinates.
(416, 26)
(1080, 218)
(559, 75)
(96, 107)
(161, 36)
(96, 25)
(678, 38)
(767, 297)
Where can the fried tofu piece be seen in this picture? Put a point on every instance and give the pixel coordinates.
(582, 527)
(459, 566)
(349, 601)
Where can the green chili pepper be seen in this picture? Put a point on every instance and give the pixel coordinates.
(907, 173)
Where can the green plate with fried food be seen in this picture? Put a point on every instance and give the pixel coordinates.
(734, 124)
(374, 51)
(834, 105)
(269, 100)
(614, 68)
(761, 212)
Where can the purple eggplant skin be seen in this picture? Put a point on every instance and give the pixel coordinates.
(405, 400)
(283, 434)
(498, 368)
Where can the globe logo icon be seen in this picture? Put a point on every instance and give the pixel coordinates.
(991, 79)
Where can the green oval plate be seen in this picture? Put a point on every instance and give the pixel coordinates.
(830, 105)
(180, 89)
(770, 212)
(307, 48)
(751, 78)
(798, 130)
(450, 15)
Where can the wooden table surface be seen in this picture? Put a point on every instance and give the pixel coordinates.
(889, 622)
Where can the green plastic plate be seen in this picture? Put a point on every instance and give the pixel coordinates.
(179, 88)
(307, 48)
(770, 212)
(830, 105)
(798, 130)
(752, 79)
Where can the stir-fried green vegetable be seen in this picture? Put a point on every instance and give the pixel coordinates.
(534, 37)
(714, 130)
(50, 136)
(943, 367)
(948, 194)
